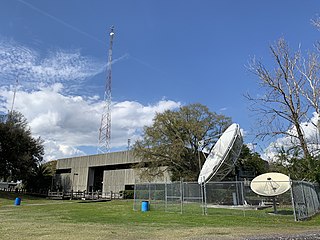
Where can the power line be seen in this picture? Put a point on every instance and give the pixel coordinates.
(60, 21)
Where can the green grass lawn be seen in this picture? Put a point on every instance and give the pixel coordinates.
(38, 218)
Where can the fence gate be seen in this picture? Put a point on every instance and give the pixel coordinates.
(305, 197)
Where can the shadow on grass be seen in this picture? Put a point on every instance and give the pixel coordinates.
(282, 212)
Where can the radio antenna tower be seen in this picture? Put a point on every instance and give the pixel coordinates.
(105, 127)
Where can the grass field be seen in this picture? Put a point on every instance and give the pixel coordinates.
(51, 219)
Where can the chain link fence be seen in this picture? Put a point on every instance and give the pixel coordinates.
(306, 198)
(302, 201)
(178, 197)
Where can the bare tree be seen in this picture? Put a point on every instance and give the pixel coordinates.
(310, 69)
(282, 107)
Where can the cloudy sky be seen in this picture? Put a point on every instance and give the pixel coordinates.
(166, 54)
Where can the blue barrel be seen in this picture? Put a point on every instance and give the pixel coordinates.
(145, 206)
(17, 201)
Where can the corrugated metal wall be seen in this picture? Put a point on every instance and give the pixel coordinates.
(113, 180)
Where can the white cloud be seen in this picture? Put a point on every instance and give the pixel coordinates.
(252, 146)
(310, 131)
(68, 122)
(128, 119)
(55, 150)
(33, 70)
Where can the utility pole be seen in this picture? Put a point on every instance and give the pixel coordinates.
(105, 126)
(128, 149)
(14, 95)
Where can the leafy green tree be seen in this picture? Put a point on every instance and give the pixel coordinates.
(52, 165)
(252, 161)
(290, 163)
(39, 181)
(172, 142)
(20, 153)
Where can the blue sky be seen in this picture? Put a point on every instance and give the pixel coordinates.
(167, 54)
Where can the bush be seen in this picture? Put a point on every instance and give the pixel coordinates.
(128, 194)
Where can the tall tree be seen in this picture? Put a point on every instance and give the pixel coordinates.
(251, 160)
(283, 106)
(172, 142)
(19, 151)
(40, 180)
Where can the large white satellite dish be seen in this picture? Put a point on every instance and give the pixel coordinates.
(270, 184)
(222, 155)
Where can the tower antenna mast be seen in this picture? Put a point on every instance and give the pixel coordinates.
(105, 127)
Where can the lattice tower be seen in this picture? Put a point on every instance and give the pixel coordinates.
(105, 127)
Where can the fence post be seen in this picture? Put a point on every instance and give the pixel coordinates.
(293, 201)
(205, 197)
(134, 197)
(237, 197)
(166, 196)
(242, 193)
(181, 195)
(202, 197)
(311, 196)
(304, 199)
(242, 186)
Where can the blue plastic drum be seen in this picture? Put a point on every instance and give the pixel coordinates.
(145, 206)
(17, 201)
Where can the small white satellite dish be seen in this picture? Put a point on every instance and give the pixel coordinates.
(222, 155)
(270, 184)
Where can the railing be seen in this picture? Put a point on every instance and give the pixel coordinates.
(84, 195)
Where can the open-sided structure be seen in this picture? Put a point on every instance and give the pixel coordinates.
(101, 172)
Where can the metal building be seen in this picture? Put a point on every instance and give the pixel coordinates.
(114, 172)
